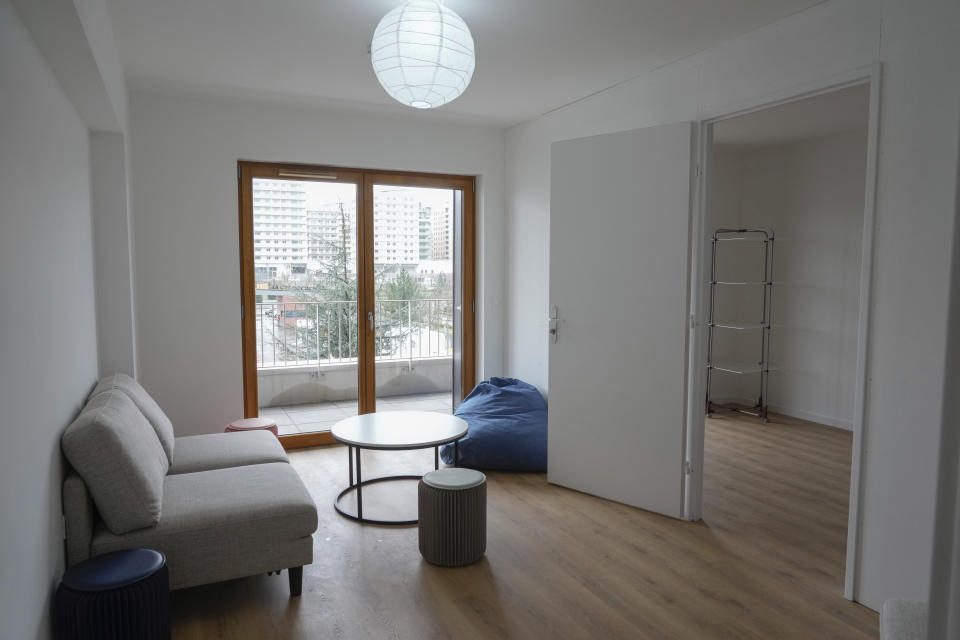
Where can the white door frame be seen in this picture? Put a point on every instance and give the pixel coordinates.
(693, 497)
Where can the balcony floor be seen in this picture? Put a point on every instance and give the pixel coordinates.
(320, 416)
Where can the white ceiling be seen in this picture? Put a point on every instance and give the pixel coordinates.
(815, 117)
(532, 55)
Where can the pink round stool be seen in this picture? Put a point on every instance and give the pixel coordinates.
(252, 424)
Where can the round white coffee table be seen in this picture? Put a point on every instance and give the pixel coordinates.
(397, 431)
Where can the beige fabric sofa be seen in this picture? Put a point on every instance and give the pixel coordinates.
(219, 506)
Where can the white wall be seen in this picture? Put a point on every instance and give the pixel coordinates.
(945, 581)
(918, 47)
(185, 212)
(811, 194)
(75, 38)
(733, 264)
(114, 268)
(905, 372)
(48, 335)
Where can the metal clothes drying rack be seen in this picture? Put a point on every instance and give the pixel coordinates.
(762, 366)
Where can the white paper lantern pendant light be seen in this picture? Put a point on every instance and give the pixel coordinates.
(422, 53)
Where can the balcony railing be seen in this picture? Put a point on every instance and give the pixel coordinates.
(293, 334)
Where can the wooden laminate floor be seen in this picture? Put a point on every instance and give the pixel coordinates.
(765, 562)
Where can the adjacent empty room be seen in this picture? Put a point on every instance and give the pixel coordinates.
(785, 276)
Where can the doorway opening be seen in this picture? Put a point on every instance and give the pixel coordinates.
(357, 292)
(783, 297)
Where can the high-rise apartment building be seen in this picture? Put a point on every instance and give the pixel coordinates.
(396, 227)
(442, 231)
(328, 231)
(298, 230)
(279, 229)
(426, 233)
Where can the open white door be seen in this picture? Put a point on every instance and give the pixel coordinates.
(619, 254)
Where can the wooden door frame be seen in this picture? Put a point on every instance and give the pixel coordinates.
(364, 179)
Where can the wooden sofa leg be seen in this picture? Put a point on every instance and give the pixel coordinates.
(296, 580)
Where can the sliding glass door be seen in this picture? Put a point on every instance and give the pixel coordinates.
(355, 283)
(414, 282)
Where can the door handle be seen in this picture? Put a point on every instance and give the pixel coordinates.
(370, 319)
(554, 323)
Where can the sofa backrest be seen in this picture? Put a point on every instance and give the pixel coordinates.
(116, 452)
(147, 405)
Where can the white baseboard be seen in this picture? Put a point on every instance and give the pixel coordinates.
(819, 418)
(792, 412)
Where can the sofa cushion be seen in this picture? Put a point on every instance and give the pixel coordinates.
(222, 450)
(117, 453)
(147, 405)
(227, 523)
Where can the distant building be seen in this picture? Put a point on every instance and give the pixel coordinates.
(442, 246)
(426, 233)
(430, 273)
(279, 229)
(290, 241)
(396, 227)
(327, 231)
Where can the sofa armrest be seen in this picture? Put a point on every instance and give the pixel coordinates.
(79, 518)
(903, 620)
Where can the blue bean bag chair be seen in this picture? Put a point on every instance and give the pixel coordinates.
(508, 427)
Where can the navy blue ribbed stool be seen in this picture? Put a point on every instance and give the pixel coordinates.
(115, 596)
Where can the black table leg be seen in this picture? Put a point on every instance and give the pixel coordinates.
(359, 488)
(357, 484)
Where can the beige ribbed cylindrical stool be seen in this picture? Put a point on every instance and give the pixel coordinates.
(453, 516)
